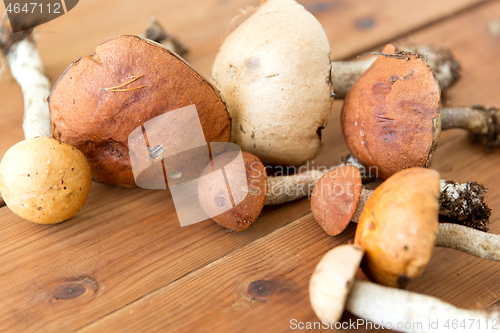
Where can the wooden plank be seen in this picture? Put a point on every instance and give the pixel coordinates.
(264, 287)
(215, 298)
(125, 243)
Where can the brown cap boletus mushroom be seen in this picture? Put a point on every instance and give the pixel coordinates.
(101, 98)
(392, 115)
(399, 227)
(333, 288)
(233, 195)
(221, 202)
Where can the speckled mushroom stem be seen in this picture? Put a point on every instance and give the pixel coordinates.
(440, 59)
(471, 241)
(288, 188)
(482, 123)
(392, 307)
(156, 32)
(27, 69)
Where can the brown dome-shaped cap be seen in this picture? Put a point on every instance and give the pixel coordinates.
(335, 198)
(391, 117)
(100, 99)
(232, 190)
(398, 226)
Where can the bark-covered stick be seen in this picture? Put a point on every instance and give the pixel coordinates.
(26, 67)
(440, 59)
(333, 288)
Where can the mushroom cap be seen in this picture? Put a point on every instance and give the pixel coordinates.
(335, 198)
(276, 79)
(44, 180)
(391, 117)
(398, 226)
(332, 280)
(98, 120)
(246, 187)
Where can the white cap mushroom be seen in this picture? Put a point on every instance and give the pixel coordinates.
(333, 288)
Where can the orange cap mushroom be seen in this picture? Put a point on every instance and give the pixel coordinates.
(235, 196)
(335, 198)
(387, 121)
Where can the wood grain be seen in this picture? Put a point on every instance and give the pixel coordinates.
(125, 250)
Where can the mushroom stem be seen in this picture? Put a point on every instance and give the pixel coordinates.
(155, 32)
(482, 123)
(440, 59)
(473, 242)
(407, 311)
(27, 69)
(283, 189)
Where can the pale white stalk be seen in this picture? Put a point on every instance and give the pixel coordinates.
(333, 288)
(468, 240)
(410, 312)
(27, 69)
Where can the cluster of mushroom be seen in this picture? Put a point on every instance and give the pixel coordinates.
(397, 231)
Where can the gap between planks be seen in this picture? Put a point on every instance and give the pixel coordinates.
(425, 26)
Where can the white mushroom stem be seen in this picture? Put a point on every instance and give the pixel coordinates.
(468, 240)
(441, 60)
(407, 311)
(27, 68)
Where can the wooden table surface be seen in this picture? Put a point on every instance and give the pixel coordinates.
(123, 263)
